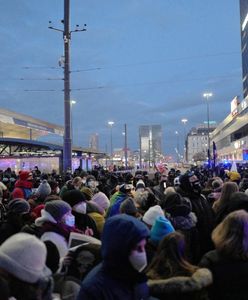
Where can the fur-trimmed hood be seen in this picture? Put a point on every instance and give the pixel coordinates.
(180, 285)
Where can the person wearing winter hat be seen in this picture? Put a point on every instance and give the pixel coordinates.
(128, 207)
(118, 197)
(78, 203)
(97, 210)
(102, 202)
(179, 211)
(151, 214)
(23, 186)
(234, 176)
(56, 223)
(18, 209)
(23, 263)
(160, 229)
(43, 190)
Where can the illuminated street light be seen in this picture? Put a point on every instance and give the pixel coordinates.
(207, 96)
(184, 121)
(111, 123)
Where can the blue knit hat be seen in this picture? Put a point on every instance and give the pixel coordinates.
(160, 229)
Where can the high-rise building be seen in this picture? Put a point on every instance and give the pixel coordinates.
(150, 143)
(244, 43)
(94, 141)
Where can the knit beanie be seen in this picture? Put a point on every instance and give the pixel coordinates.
(160, 229)
(152, 213)
(23, 175)
(73, 197)
(24, 256)
(101, 200)
(87, 193)
(128, 207)
(57, 209)
(234, 176)
(44, 189)
(19, 206)
(176, 205)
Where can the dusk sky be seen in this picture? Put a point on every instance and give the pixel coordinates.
(140, 62)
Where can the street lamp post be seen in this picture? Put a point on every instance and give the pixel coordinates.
(184, 121)
(111, 123)
(207, 96)
(177, 134)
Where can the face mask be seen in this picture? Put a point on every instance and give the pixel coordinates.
(138, 260)
(80, 208)
(196, 186)
(92, 184)
(70, 220)
(57, 190)
(83, 181)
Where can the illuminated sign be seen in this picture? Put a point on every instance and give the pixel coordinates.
(234, 106)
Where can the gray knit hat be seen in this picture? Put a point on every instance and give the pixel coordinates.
(128, 207)
(19, 206)
(44, 189)
(24, 256)
(57, 208)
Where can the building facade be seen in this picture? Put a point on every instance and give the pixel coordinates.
(231, 135)
(150, 143)
(244, 43)
(197, 144)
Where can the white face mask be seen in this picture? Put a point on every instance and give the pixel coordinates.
(84, 180)
(69, 220)
(138, 260)
(57, 190)
(92, 184)
(80, 208)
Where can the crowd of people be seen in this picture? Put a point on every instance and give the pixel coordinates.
(107, 235)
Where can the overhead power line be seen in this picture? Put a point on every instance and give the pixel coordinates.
(136, 84)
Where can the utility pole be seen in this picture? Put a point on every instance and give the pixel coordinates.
(67, 146)
(125, 150)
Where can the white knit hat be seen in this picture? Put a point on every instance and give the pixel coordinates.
(24, 256)
(152, 213)
(101, 200)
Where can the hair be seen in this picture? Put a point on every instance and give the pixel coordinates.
(77, 180)
(230, 237)
(227, 190)
(170, 260)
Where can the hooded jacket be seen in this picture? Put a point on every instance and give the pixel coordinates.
(115, 278)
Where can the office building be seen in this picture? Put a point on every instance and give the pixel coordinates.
(244, 43)
(150, 143)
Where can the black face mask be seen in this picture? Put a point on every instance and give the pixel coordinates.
(196, 186)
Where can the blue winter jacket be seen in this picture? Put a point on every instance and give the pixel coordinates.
(115, 278)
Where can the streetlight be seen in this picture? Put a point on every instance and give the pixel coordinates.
(111, 123)
(207, 96)
(184, 121)
(125, 144)
(177, 134)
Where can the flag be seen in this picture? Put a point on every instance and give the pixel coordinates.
(214, 153)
